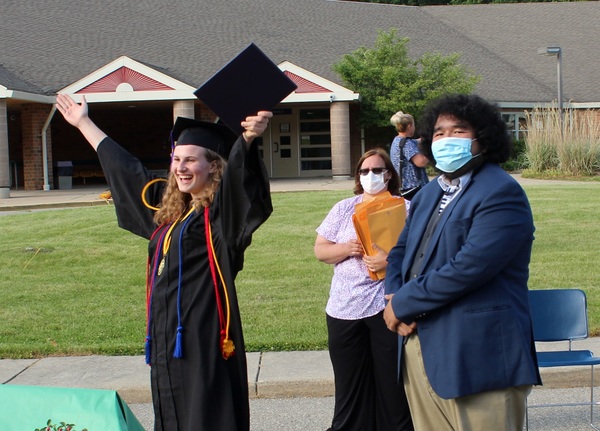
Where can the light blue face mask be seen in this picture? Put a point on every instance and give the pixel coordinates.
(451, 154)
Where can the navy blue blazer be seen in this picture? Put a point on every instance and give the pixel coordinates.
(470, 300)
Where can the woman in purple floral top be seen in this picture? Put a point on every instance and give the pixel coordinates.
(363, 351)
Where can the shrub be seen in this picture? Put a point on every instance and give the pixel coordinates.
(518, 158)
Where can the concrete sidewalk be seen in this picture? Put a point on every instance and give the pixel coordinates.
(24, 200)
(270, 374)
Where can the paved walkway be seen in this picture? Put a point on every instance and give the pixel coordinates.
(270, 374)
(23, 200)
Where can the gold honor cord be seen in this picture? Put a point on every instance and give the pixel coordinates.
(228, 348)
(167, 240)
(145, 189)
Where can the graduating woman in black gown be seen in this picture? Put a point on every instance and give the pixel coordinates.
(198, 222)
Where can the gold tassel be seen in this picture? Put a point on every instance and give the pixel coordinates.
(227, 349)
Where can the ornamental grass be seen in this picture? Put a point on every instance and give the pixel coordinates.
(566, 149)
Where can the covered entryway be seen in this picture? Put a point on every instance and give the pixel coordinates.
(307, 137)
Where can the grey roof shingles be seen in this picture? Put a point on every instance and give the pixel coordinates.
(514, 32)
(54, 45)
(13, 82)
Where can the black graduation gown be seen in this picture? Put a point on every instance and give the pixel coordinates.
(201, 390)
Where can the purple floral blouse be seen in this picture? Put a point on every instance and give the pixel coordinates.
(353, 295)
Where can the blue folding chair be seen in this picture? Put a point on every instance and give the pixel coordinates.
(561, 315)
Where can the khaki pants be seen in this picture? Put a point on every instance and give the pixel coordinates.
(500, 410)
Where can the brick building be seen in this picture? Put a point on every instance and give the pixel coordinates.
(138, 64)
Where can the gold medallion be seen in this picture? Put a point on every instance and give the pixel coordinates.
(161, 266)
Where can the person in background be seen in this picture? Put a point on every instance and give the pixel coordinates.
(199, 222)
(457, 279)
(362, 351)
(408, 161)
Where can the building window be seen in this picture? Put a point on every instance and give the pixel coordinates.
(315, 140)
(516, 123)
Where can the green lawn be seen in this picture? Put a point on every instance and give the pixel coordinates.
(72, 282)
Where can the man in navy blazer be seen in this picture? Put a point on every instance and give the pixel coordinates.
(457, 279)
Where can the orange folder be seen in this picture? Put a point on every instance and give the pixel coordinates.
(379, 221)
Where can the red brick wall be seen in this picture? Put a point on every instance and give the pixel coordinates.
(33, 117)
(202, 112)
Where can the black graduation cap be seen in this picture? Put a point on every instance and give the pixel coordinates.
(214, 136)
(249, 83)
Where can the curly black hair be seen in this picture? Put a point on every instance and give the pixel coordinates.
(491, 131)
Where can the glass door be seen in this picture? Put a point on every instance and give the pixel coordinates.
(284, 146)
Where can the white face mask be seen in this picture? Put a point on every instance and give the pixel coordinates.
(373, 183)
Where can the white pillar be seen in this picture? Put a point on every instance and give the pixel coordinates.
(183, 108)
(4, 159)
(340, 140)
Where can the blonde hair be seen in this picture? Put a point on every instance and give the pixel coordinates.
(401, 121)
(175, 203)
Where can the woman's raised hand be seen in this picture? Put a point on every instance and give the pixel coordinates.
(71, 111)
(77, 115)
(255, 125)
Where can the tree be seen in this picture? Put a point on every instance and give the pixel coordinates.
(388, 80)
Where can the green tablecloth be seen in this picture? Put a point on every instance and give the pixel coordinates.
(25, 408)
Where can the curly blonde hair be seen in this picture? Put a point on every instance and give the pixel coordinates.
(175, 203)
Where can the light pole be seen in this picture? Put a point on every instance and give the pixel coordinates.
(556, 50)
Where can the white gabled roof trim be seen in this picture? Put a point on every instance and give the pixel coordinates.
(135, 96)
(336, 92)
(26, 97)
(183, 91)
(125, 61)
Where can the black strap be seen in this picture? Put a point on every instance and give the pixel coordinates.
(401, 161)
(401, 145)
